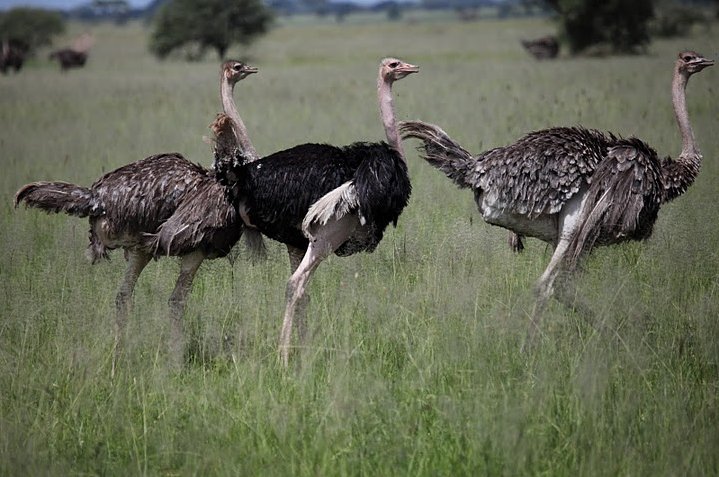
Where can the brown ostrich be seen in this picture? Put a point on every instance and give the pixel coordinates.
(163, 205)
(573, 188)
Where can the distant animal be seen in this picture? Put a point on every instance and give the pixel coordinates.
(12, 55)
(163, 205)
(76, 55)
(320, 199)
(571, 187)
(544, 48)
(69, 58)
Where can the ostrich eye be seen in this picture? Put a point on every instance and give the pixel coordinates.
(688, 58)
(236, 67)
(394, 64)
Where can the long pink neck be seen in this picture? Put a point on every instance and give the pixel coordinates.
(679, 100)
(386, 109)
(228, 104)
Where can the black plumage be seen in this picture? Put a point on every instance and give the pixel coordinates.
(572, 187)
(278, 190)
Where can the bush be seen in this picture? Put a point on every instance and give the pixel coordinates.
(215, 24)
(32, 27)
(620, 24)
(676, 20)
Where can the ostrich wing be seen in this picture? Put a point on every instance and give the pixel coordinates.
(140, 196)
(539, 173)
(623, 199)
(206, 218)
(332, 206)
(378, 192)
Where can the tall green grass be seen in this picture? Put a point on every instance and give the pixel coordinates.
(412, 367)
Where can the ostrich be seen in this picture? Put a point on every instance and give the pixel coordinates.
(319, 199)
(76, 55)
(160, 205)
(571, 187)
(69, 58)
(12, 55)
(546, 47)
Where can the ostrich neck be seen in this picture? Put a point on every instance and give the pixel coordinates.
(386, 109)
(679, 99)
(228, 104)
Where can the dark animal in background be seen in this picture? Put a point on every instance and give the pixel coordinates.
(320, 199)
(545, 48)
(76, 55)
(69, 58)
(573, 188)
(163, 205)
(12, 55)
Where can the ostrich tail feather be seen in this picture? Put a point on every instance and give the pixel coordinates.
(57, 197)
(441, 151)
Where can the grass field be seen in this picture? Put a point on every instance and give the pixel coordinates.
(413, 365)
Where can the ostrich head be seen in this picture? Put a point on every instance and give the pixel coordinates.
(392, 69)
(234, 71)
(690, 62)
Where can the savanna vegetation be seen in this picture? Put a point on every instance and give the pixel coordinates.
(31, 27)
(413, 365)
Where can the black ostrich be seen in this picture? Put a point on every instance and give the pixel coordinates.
(163, 205)
(320, 199)
(68, 58)
(573, 188)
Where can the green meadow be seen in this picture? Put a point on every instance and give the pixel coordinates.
(413, 364)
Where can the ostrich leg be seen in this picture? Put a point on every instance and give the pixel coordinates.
(296, 255)
(136, 262)
(544, 290)
(188, 267)
(325, 242)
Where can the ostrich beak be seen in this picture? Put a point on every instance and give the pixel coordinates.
(407, 68)
(249, 69)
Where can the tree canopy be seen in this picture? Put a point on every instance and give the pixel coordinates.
(215, 24)
(33, 27)
(621, 24)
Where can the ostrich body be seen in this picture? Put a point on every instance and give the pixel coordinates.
(69, 58)
(163, 205)
(573, 188)
(321, 199)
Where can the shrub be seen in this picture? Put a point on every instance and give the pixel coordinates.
(620, 24)
(32, 27)
(215, 24)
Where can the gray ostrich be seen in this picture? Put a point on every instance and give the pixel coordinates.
(163, 205)
(571, 187)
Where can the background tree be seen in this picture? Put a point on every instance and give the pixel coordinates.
(32, 27)
(215, 24)
(620, 24)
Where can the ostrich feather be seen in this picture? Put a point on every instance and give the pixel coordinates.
(333, 205)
